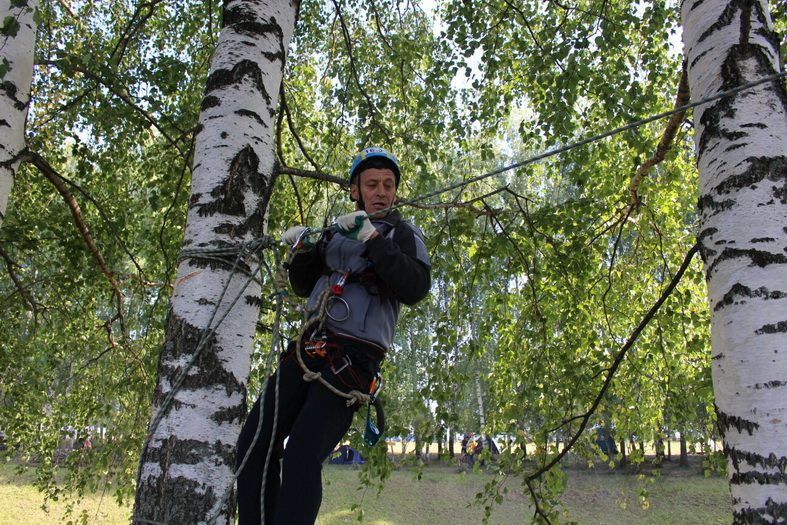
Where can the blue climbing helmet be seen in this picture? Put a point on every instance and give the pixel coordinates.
(371, 156)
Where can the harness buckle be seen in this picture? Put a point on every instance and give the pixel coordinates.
(347, 362)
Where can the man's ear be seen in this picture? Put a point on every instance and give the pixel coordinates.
(354, 195)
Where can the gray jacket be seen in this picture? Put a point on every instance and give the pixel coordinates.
(391, 269)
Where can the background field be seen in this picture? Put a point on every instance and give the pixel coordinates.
(442, 496)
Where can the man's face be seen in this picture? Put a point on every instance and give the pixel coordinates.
(376, 187)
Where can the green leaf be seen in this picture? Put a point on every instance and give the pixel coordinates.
(5, 67)
(10, 26)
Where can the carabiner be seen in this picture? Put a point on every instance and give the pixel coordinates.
(338, 288)
(346, 306)
(299, 241)
(376, 386)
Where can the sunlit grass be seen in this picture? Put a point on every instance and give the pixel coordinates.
(23, 504)
(443, 496)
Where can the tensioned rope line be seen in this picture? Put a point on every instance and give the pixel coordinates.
(242, 250)
(589, 140)
(573, 145)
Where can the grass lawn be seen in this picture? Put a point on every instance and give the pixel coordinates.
(442, 496)
(21, 504)
(605, 497)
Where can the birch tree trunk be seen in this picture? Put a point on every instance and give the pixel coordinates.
(17, 43)
(741, 146)
(188, 462)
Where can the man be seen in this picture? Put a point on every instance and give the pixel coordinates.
(379, 261)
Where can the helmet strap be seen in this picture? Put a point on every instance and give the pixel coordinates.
(359, 205)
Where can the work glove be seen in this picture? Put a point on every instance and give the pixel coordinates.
(356, 225)
(291, 236)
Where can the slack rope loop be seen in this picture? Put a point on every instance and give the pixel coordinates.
(241, 251)
(353, 396)
(280, 297)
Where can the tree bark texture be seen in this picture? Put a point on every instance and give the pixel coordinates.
(684, 454)
(17, 43)
(188, 463)
(741, 144)
(623, 459)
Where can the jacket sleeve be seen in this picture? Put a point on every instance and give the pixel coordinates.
(305, 270)
(402, 264)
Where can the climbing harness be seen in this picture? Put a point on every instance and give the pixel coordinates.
(315, 325)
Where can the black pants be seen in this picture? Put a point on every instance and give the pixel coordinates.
(315, 420)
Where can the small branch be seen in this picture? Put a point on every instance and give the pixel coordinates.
(65, 107)
(620, 214)
(186, 167)
(533, 36)
(487, 211)
(317, 175)
(294, 132)
(67, 9)
(94, 359)
(525, 263)
(123, 95)
(617, 362)
(23, 292)
(279, 127)
(568, 10)
(665, 144)
(348, 43)
(109, 225)
(280, 154)
(132, 28)
(612, 258)
(453, 205)
(298, 199)
(534, 498)
(49, 172)
(379, 27)
(525, 211)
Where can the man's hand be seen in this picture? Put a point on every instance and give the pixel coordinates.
(291, 236)
(356, 225)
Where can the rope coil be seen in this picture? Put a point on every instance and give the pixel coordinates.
(353, 396)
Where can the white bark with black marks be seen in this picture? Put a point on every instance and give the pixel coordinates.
(17, 43)
(188, 463)
(742, 158)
